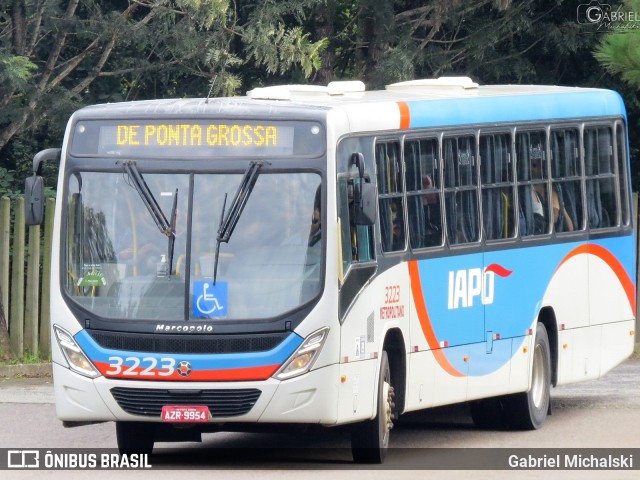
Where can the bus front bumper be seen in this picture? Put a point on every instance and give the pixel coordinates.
(311, 398)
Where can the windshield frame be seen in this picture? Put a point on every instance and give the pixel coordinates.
(192, 168)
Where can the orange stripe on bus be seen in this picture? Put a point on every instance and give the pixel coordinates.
(405, 115)
(425, 322)
(615, 265)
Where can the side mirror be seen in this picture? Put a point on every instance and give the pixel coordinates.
(366, 213)
(34, 187)
(34, 200)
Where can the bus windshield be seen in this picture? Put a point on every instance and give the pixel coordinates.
(118, 264)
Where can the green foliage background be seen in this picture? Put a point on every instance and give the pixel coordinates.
(58, 55)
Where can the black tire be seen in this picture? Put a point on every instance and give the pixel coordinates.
(528, 410)
(488, 413)
(135, 437)
(370, 439)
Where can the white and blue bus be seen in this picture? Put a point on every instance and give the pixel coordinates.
(336, 256)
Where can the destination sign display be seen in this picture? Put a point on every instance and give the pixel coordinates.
(196, 139)
(198, 135)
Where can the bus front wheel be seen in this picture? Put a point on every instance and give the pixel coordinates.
(528, 410)
(370, 439)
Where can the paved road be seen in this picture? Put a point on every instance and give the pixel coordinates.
(595, 414)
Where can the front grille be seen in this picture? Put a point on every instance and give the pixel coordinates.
(221, 403)
(162, 343)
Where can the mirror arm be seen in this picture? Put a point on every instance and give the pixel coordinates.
(44, 156)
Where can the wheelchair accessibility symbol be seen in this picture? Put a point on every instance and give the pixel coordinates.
(209, 300)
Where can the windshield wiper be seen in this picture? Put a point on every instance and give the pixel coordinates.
(167, 228)
(172, 236)
(229, 221)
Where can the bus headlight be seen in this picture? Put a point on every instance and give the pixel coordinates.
(304, 357)
(74, 355)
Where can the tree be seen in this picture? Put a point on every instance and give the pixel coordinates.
(619, 54)
(382, 41)
(619, 51)
(56, 55)
(491, 41)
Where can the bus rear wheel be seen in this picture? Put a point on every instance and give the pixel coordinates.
(135, 437)
(370, 439)
(528, 410)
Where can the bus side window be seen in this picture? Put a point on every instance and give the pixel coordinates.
(566, 173)
(345, 227)
(423, 181)
(356, 241)
(391, 210)
(497, 190)
(460, 182)
(533, 178)
(623, 180)
(602, 211)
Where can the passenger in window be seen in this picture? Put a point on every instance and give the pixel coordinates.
(538, 208)
(564, 223)
(428, 198)
(539, 194)
(538, 198)
(431, 208)
(397, 242)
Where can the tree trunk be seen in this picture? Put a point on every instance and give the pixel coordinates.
(324, 28)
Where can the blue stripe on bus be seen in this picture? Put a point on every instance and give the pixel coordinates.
(275, 356)
(520, 108)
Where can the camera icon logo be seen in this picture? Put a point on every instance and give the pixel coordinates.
(593, 12)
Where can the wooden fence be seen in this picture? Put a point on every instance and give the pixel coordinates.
(25, 267)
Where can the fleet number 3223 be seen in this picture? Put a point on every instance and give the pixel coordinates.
(142, 367)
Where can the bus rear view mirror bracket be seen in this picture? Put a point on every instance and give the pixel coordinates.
(45, 156)
(34, 187)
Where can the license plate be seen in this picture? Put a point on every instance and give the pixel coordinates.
(185, 413)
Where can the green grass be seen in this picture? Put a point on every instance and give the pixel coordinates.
(26, 359)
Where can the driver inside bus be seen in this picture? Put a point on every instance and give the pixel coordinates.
(315, 233)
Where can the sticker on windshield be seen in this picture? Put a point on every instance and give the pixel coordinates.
(93, 276)
(209, 299)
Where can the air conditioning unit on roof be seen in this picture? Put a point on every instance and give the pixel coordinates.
(287, 92)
